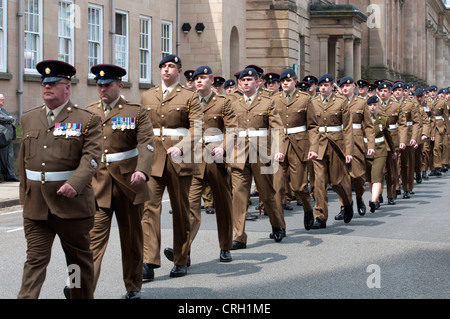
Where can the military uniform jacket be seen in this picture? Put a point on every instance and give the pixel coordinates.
(392, 111)
(439, 118)
(44, 150)
(424, 122)
(362, 124)
(121, 136)
(260, 115)
(218, 117)
(409, 122)
(381, 129)
(181, 109)
(335, 113)
(298, 112)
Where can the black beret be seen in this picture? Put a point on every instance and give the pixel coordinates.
(373, 99)
(170, 58)
(202, 70)
(53, 71)
(107, 73)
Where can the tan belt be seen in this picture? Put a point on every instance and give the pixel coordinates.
(48, 176)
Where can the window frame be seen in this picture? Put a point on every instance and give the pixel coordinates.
(127, 45)
(169, 40)
(38, 35)
(99, 42)
(148, 20)
(4, 40)
(71, 37)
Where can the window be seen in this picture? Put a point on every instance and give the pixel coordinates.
(95, 36)
(166, 38)
(66, 31)
(33, 34)
(145, 50)
(3, 35)
(121, 44)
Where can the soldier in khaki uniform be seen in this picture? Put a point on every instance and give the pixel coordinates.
(446, 160)
(391, 108)
(424, 133)
(218, 117)
(298, 117)
(59, 155)
(176, 115)
(257, 120)
(362, 131)
(334, 150)
(120, 184)
(409, 127)
(439, 128)
(376, 162)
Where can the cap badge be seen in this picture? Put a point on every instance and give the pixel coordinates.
(102, 73)
(47, 71)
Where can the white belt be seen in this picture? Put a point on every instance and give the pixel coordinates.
(439, 117)
(213, 138)
(170, 131)
(393, 126)
(409, 123)
(330, 128)
(48, 176)
(108, 158)
(377, 140)
(253, 133)
(293, 130)
(357, 126)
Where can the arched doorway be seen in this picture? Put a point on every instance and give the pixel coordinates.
(234, 52)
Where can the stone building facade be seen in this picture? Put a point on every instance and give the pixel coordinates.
(388, 39)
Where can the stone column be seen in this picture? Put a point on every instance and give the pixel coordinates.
(439, 60)
(348, 55)
(357, 59)
(323, 54)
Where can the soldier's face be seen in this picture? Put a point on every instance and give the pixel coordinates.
(288, 85)
(273, 86)
(433, 94)
(385, 94)
(447, 96)
(249, 85)
(325, 89)
(373, 107)
(230, 89)
(348, 89)
(203, 83)
(398, 94)
(108, 93)
(55, 93)
(363, 90)
(419, 99)
(218, 89)
(170, 73)
(190, 84)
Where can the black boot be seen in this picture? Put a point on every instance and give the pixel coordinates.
(418, 178)
(348, 213)
(361, 206)
(308, 219)
(277, 234)
(424, 175)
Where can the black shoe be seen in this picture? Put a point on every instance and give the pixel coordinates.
(238, 245)
(424, 175)
(380, 199)
(288, 207)
(299, 202)
(225, 256)
(361, 206)
(133, 295)
(277, 233)
(432, 173)
(178, 271)
(398, 192)
(377, 205)
(340, 216)
(168, 252)
(308, 219)
(418, 178)
(249, 216)
(210, 210)
(391, 201)
(372, 206)
(254, 194)
(283, 232)
(148, 274)
(66, 292)
(406, 195)
(318, 223)
(438, 171)
(348, 213)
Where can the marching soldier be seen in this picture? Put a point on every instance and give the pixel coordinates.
(390, 108)
(120, 184)
(260, 80)
(59, 155)
(218, 117)
(298, 117)
(446, 160)
(409, 127)
(424, 133)
(176, 115)
(272, 81)
(256, 117)
(218, 85)
(189, 80)
(312, 80)
(229, 86)
(334, 149)
(363, 88)
(362, 131)
(439, 128)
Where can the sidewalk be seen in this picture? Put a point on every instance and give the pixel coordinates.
(9, 194)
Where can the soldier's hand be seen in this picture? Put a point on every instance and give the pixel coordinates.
(370, 152)
(402, 146)
(432, 138)
(279, 157)
(424, 137)
(394, 155)
(174, 152)
(348, 159)
(138, 178)
(312, 156)
(413, 142)
(67, 191)
(217, 152)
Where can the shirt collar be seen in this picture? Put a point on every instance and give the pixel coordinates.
(57, 110)
(111, 104)
(170, 88)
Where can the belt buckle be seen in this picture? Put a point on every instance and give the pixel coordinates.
(161, 131)
(285, 130)
(325, 129)
(43, 177)
(104, 158)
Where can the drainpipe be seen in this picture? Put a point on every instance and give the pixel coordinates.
(178, 27)
(21, 55)
(113, 31)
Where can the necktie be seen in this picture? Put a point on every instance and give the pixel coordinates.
(203, 102)
(249, 101)
(325, 102)
(166, 91)
(107, 109)
(288, 97)
(50, 117)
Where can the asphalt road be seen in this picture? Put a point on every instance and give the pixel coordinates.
(398, 252)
